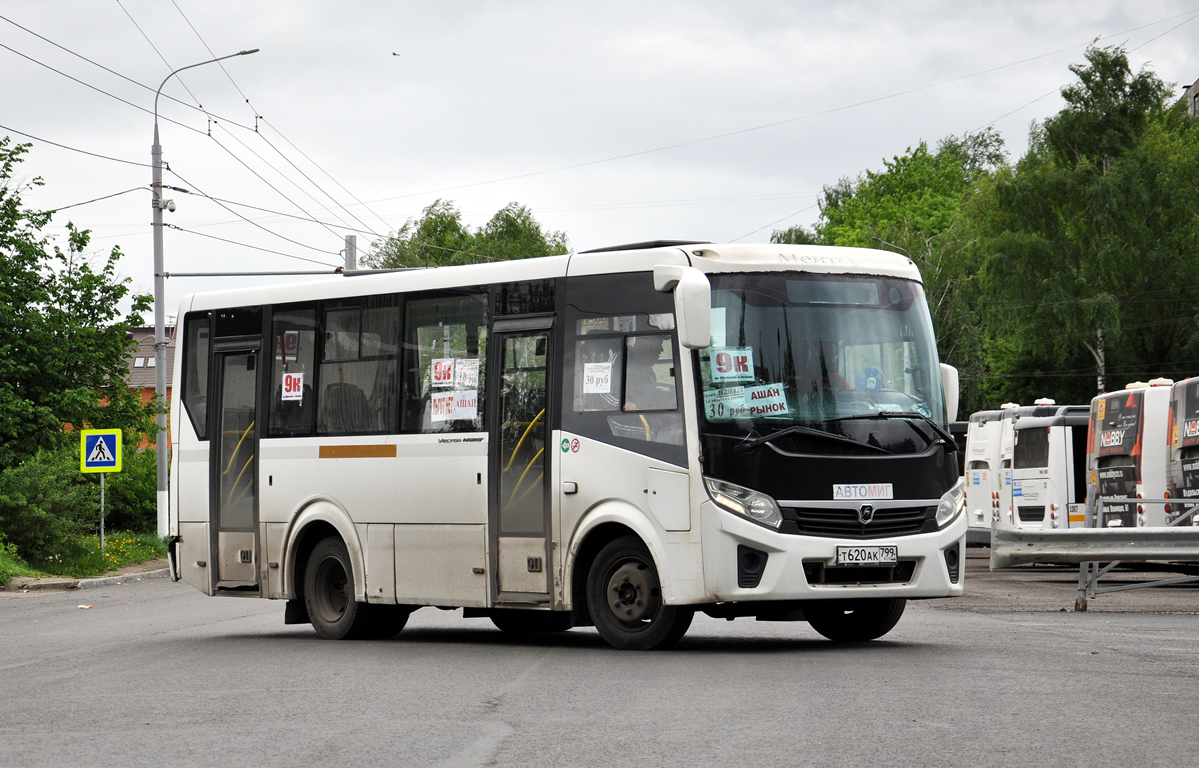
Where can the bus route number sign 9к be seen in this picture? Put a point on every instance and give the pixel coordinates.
(887, 554)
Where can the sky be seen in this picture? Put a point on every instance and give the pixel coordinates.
(613, 122)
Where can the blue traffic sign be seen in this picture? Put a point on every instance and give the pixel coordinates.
(100, 450)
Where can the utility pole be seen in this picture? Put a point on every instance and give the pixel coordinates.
(162, 440)
(351, 252)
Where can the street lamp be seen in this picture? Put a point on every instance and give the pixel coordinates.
(160, 343)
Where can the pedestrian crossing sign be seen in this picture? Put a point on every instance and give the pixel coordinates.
(100, 450)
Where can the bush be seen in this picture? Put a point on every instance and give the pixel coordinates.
(45, 501)
(131, 495)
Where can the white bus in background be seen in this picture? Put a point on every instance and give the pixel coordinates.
(1127, 452)
(1049, 479)
(1183, 472)
(1007, 441)
(983, 475)
(617, 438)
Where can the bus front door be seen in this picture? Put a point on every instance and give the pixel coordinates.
(520, 462)
(233, 489)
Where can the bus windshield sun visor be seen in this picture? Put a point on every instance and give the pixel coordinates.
(753, 440)
(943, 433)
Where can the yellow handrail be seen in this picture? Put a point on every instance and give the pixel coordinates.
(521, 442)
(528, 466)
(233, 455)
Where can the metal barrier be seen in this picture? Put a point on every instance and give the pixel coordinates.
(1090, 546)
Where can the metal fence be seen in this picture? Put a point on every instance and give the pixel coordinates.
(1098, 550)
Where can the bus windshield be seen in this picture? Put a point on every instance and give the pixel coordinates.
(816, 350)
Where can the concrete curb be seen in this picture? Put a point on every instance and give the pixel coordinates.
(113, 581)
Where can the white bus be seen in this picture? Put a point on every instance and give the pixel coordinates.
(1128, 452)
(1049, 467)
(616, 438)
(1183, 472)
(983, 474)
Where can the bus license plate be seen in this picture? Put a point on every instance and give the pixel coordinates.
(881, 555)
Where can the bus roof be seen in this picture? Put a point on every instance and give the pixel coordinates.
(638, 257)
(1062, 416)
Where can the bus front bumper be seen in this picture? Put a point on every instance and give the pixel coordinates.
(930, 565)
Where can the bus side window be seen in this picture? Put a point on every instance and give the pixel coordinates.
(197, 330)
(620, 381)
(445, 354)
(293, 370)
(359, 375)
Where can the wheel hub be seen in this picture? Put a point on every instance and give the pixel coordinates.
(633, 593)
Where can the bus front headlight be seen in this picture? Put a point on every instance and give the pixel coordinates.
(745, 502)
(951, 504)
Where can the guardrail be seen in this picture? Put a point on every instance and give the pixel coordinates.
(1090, 546)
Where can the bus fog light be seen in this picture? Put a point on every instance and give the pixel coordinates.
(745, 502)
(951, 504)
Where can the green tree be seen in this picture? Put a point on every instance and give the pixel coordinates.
(440, 238)
(1090, 260)
(63, 341)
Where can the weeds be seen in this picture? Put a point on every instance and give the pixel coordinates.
(82, 557)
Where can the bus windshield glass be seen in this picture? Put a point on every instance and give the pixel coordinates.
(817, 351)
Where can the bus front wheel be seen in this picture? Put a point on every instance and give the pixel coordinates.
(624, 596)
(329, 597)
(855, 621)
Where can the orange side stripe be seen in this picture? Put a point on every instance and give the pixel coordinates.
(358, 452)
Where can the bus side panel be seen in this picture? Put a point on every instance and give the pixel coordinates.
(441, 565)
(613, 485)
(273, 536)
(194, 562)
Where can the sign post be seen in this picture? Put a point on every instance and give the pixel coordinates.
(100, 451)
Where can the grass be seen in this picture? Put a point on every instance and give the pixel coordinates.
(12, 566)
(82, 557)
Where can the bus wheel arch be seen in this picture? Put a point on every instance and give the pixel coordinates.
(316, 522)
(602, 524)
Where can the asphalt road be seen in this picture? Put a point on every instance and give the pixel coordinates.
(155, 673)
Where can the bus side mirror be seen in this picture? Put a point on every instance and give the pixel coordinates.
(692, 303)
(949, 380)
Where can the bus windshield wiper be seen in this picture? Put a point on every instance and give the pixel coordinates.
(941, 431)
(752, 440)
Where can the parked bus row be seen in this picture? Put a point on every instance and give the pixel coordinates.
(1033, 466)
(617, 438)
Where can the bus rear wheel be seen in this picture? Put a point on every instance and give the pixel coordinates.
(624, 597)
(518, 622)
(329, 598)
(855, 621)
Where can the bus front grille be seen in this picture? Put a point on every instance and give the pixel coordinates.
(847, 524)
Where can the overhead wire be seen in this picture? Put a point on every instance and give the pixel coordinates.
(97, 199)
(247, 245)
(73, 149)
(97, 88)
(126, 78)
(256, 117)
(252, 222)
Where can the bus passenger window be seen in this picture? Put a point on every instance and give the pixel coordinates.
(196, 331)
(293, 405)
(359, 377)
(445, 353)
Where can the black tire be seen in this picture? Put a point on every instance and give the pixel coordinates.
(624, 597)
(855, 621)
(329, 594)
(517, 622)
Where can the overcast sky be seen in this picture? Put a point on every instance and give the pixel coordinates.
(614, 122)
